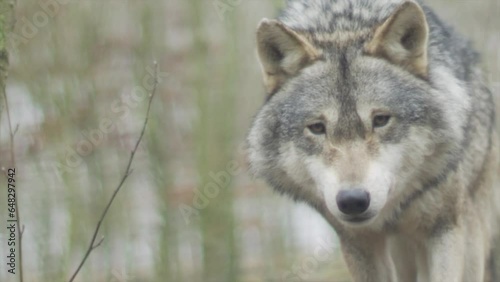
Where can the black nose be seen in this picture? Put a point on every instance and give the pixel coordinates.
(353, 202)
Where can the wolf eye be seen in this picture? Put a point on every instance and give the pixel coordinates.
(381, 120)
(317, 128)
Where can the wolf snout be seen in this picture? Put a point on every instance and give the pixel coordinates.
(353, 201)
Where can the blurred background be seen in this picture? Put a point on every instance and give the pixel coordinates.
(80, 74)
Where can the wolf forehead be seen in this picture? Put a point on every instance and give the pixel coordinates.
(348, 90)
(348, 52)
(324, 17)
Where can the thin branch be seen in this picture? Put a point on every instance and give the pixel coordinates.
(20, 232)
(127, 173)
(17, 128)
(98, 243)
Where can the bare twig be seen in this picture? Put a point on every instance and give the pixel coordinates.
(98, 243)
(20, 232)
(127, 173)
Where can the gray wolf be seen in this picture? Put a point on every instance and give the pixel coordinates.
(377, 115)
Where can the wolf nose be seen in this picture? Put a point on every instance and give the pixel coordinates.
(353, 202)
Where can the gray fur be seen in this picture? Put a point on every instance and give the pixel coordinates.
(442, 124)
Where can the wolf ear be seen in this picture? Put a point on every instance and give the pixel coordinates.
(402, 39)
(282, 53)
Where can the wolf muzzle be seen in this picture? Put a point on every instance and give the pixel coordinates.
(353, 202)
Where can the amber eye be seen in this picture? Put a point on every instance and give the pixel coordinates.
(381, 120)
(317, 128)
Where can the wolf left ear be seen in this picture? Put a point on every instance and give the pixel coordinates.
(282, 53)
(402, 39)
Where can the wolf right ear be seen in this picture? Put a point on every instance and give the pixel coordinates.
(282, 53)
(402, 39)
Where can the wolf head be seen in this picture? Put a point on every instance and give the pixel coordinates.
(353, 119)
